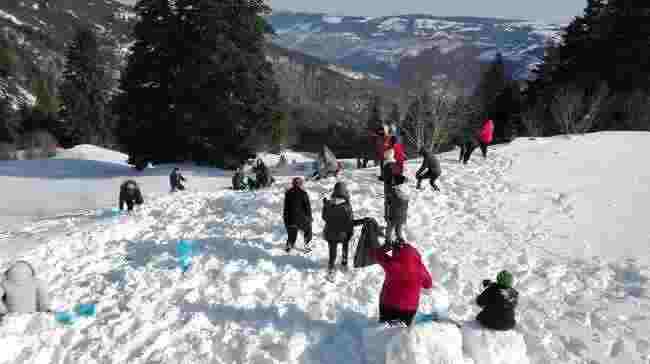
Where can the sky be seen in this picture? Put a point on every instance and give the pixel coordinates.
(545, 10)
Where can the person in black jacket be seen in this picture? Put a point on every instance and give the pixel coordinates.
(239, 180)
(176, 179)
(263, 176)
(130, 195)
(430, 169)
(339, 224)
(398, 203)
(498, 301)
(297, 214)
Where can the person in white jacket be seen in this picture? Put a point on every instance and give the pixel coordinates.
(22, 292)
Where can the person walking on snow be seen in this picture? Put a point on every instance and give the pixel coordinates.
(405, 277)
(22, 292)
(430, 169)
(481, 140)
(398, 204)
(297, 214)
(176, 179)
(130, 195)
(498, 301)
(400, 156)
(339, 224)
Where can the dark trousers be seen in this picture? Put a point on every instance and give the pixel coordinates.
(130, 204)
(178, 187)
(293, 235)
(388, 314)
(333, 247)
(432, 177)
(467, 149)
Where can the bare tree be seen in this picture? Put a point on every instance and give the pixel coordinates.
(532, 120)
(637, 110)
(566, 108)
(594, 108)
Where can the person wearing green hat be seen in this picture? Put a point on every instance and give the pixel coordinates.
(498, 301)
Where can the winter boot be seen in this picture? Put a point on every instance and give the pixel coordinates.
(288, 248)
(344, 265)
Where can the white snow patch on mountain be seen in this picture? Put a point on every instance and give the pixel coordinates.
(332, 19)
(11, 18)
(393, 25)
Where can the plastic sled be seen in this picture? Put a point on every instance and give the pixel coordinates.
(184, 248)
(64, 317)
(85, 309)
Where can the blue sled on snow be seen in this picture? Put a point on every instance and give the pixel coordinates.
(80, 310)
(184, 253)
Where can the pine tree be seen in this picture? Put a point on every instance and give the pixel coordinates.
(203, 63)
(375, 120)
(395, 116)
(8, 127)
(46, 102)
(85, 90)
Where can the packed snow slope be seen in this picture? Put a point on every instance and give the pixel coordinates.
(245, 300)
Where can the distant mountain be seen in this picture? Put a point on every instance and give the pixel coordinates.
(38, 31)
(391, 47)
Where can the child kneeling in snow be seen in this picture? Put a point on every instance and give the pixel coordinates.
(498, 301)
(22, 292)
(406, 276)
(130, 195)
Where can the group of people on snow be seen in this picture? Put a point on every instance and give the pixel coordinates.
(405, 274)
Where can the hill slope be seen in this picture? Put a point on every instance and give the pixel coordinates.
(246, 301)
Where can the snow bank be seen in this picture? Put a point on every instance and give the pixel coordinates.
(430, 343)
(493, 347)
(92, 152)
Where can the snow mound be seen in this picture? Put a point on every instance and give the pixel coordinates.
(431, 343)
(493, 347)
(93, 153)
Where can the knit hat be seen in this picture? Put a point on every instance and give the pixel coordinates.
(504, 279)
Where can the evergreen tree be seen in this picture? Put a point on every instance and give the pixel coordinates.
(85, 90)
(8, 126)
(46, 102)
(492, 83)
(204, 63)
(395, 116)
(375, 121)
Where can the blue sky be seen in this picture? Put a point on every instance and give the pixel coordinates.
(547, 10)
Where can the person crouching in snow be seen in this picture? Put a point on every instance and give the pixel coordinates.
(398, 204)
(339, 224)
(405, 277)
(430, 169)
(22, 292)
(176, 179)
(297, 214)
(130, 195)
(498, 301)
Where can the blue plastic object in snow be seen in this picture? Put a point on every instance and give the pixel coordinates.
(422, 318)
(185, 262)
(184, 248)
(64, 317)
(85, 309)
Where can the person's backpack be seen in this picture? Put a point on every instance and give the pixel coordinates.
(368, 240)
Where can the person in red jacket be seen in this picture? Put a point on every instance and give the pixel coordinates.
(405, 277)
(485, 136)
(400, 156)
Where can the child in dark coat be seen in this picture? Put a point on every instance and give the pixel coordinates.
(339, 224)
(498, 301)
(297, 214)
(430, 169)
(398, 203)
(130, 195)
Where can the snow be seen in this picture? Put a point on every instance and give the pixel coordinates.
(13, 19)
(332, 19)
(244, 300)
(393, 24)
(494, 347)
(433, 343)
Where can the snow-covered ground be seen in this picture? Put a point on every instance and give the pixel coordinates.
(245, 301)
